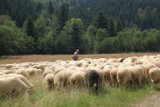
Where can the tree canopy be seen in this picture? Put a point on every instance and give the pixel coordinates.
(92, 26)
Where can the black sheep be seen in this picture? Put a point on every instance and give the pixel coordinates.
(92, 80)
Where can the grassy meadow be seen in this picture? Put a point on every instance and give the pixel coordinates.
(110, 96)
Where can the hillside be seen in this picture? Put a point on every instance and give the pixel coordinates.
(92, 26)
(144, 14)
(134, 12)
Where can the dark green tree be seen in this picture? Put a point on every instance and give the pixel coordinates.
(50, 7)
(40, 27)
(111, 28)
(91, 35)
(44, 44)
(120, 24)
(100, 36)
(108, 45)
(101, 21)
(63, 15)
(29, 27)
(71, 35)
(12, 39)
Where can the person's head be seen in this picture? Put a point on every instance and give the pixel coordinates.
(77, 50)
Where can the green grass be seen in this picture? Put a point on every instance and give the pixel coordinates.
(109, 97)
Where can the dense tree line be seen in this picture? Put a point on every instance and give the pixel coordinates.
(141, 13)
(92, 26)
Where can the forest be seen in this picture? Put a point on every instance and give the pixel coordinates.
(92, 26)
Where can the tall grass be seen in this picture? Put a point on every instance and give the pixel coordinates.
(108, 97)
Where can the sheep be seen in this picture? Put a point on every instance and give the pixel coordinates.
(12, 85)
(101, 75)
(106, 71)
(31, 71)
(60, 80)
(85, 64)
(22, 71)
(120, 59)
(93, 64)
(137, 74)
(157, 63)
(9, 66)
(1, 73)
(39, 71)
(130, 60)
(71, 63)
(154, 74)
(147, 67)
(73, 68)
(101, 66)
(82, 69)
(77, 79)
(49, 79)
(21, 77)
(113, 75)
(79, 63)
(47, 71)
(92, 80)
(58, 69)
(39, 66)
(68, 73)
(124, 76)
(9, 71)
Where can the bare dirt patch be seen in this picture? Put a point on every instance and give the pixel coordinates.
(150, 101)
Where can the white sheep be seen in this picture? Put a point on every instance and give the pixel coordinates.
(22, 71)
(77, 79)
(47, 71)
(124, 76)
(58, 69)
(49, 80)
(138, 73)
(60, 80)
(113, 75)
(21, 77)
(154, 74)
(31, 71)
(106, 73)
(147, 67)
(12, 85)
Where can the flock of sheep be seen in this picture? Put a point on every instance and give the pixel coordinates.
(88, 72)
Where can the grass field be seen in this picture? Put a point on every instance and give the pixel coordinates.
(109, 97)
(41, 97)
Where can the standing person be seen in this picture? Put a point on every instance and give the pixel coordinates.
(75, 55)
